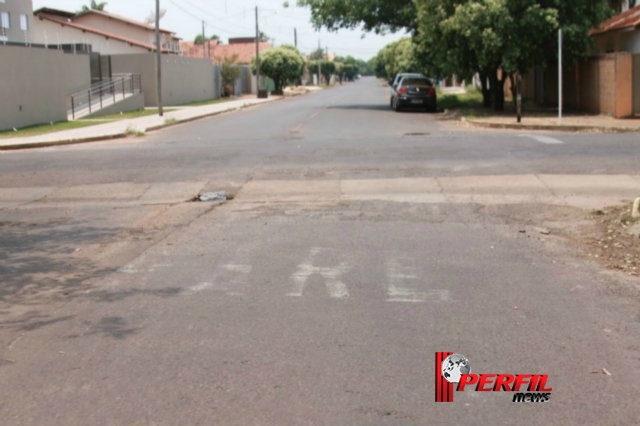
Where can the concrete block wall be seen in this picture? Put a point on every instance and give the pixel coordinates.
(35, 83)
(184, 80)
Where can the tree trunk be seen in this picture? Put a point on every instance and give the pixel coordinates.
(497, 89)
(514, 95)
(278, 86)
(486, 92)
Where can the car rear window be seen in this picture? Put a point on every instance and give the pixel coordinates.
(416, 82)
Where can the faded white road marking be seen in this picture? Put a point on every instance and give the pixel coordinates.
(402, 290)
(245, 269)
(227, 279)
(132, 267)
(315, 114)
(332, 276)
(200, 287)
(544, 139)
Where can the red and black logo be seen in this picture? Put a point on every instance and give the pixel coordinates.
(456, 369)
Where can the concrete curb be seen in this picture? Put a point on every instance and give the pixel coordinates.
(554, 128)
(18, 146)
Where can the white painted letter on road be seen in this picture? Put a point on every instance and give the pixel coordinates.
(332, 276)
(402, 284)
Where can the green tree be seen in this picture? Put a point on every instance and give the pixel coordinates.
(372, 15)
(94, 6)
(229, 70)
(350, 71)
(282, 64)
(198, 39)
(498, 38)
(316, 54)
(339, 71)
(400, 56)
(327, 68)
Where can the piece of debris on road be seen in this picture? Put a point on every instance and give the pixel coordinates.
(213, 196)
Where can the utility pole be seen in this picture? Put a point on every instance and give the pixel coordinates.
(203, 39)
(560, 76)
(319, 66)
(158, 61)
(295, 37)
(257, 54)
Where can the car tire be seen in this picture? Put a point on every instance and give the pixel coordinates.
(396, 107)
(391, 103)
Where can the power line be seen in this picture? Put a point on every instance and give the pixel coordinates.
(207, 22)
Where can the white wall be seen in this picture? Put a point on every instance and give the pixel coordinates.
(124, 29)
(69, 35)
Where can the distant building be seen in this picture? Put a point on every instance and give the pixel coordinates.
(107, 33)
(16, 19)
(244, 47)
(619, 34)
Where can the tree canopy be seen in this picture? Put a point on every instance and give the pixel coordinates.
(484, 36)
(229, 70)
(379, 16)
(282, 64)
(198, 39)
(94, 6)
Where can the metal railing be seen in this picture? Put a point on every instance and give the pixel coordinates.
(105, 93)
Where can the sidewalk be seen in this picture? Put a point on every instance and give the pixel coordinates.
(570, 123)
(122, 128)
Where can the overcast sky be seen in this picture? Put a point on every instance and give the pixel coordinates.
(236, 18)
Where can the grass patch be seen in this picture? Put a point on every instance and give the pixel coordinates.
(41, 129)
(134, 132)
(170, 121)
(470, 100)
(132, 114)
(209, 102)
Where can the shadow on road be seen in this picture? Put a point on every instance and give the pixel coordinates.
(41, 266)
(379, 107)
(370, 107)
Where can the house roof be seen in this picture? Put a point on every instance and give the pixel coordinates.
(245, 51)
(56, 12)
(122, 19)
(624, 21)
(108, 35)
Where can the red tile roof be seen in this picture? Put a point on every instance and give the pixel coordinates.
(245, 51)
(626, 20)
(70, 24)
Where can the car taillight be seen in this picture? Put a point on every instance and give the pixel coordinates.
(432, 91)
(402, 90)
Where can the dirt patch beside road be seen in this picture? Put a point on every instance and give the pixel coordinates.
(609, 236)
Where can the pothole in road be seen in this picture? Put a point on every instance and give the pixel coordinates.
(415, 134)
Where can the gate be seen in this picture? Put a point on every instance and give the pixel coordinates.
(636, 84)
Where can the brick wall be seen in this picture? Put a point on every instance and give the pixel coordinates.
(599, 85)
(624, 81)
(607, 85)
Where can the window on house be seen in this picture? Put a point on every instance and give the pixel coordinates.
(5, 21)
(24, 23)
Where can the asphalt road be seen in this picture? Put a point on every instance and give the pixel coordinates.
(320, 294)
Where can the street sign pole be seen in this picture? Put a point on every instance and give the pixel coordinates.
(560, 77)
(158, 61)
